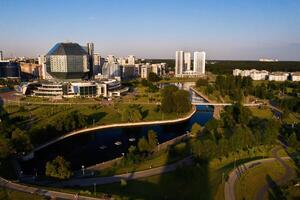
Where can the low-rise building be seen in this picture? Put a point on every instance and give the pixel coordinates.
(86, 89)
(278, 76)
(50, 90)
(295, 76)
(253, 73)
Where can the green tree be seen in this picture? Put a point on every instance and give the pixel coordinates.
(167, 102)
(132, 113)
(202, 82)
(292, 141)
(4, 147)
(20, 141)
(58, 168)
(153, 77)
(196, 129)
(152, 140)
(182, 101)
(143, 145)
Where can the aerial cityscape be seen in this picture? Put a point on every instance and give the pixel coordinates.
(173, 99)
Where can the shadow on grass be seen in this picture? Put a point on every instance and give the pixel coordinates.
(95, 117)
(274, 191)
(186, 182)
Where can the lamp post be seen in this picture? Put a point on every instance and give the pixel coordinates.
(82, 167)
(95, 188)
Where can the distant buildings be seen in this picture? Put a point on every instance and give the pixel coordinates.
(278, 76)
(131, 60)
(265, 75)
(295, 76)
(1, 56)
(31, 70)
(267, 60)
(145, 70)
(199, 62)
(183, 64)
(10, 70)
(253, 73)
(111, 70)
(187, 61)
(158, 68)
(179, 62)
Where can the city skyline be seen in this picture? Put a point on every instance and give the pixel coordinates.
(225, 30)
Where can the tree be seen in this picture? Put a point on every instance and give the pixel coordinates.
(292, 141)
(152, 140)
(4, 147)
(174, 100)
(206, 149)
(144, 82)
(20, 141)
(196, 129)
(167, 102)
(143, 145)
(202, 82)
(153, 77)
(182, 101)
(58, 168)
(148, 145)
(132, 113)
(132, 154)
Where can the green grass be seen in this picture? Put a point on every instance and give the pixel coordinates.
(30, 116)
(161, 158)
(263, 112)
(292, 118)
(202, 181)
(16, 195)
(252, 180)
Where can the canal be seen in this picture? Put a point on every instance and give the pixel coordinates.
(102, 145)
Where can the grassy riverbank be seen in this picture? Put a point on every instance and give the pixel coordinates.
(39, 118)
(15, 195)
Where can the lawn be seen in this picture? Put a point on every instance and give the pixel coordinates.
(292, 118)
(16, 195)
(29, 116)
(160, 158)
(202, 181)
(263, 112)
(252, 180)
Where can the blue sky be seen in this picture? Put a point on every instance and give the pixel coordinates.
(225, 29)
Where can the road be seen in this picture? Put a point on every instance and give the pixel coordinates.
(229, 189)
(128, 176)
(41, 192)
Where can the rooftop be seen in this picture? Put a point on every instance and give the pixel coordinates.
(67, 49)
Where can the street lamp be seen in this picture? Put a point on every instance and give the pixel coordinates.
(95, 192)
(82, 167)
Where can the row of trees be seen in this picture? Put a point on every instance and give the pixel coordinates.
(236, 130)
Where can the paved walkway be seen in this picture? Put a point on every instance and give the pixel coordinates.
(128, 176)
(41, 192)
(229, 189)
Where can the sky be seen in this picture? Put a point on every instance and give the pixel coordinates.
(224, 29)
